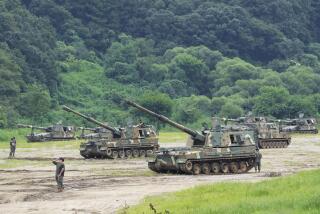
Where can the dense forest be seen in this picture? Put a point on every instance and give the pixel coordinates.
(187, 59)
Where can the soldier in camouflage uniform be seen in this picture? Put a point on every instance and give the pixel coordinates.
(257, 165)
(60, 168)
(13, 145)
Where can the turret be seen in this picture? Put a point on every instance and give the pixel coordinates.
(195, 135)
(116, 132)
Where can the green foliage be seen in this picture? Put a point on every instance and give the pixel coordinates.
(34, 103)
(239, 55)
(230, 110)
(293, 194)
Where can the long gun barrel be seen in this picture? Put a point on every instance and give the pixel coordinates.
(112, 129)
(88, 129)
(34, 127)
(164, 119)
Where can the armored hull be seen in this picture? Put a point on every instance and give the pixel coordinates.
(115, 150)
(301, 130)
(205, 161)
(43, 138)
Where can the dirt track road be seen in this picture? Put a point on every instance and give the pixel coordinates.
(103, 186)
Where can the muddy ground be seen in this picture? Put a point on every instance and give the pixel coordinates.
(104, 186)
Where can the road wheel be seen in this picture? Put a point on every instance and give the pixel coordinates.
(114, 154)
(196, 169)
(142, 153)
(215, 167)
(234, 167)
(149, 152)
(188, 167)
(206, 168)
(225, 168)
(135, 153)
(122, 154)
(128, 153)
(243, 167)
(109, 152)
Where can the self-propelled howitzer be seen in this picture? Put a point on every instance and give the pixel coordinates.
(131, 141)
(55, 132)
(267, 134)
(219, 150)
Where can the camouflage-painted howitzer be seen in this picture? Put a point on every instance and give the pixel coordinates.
(267, 134)
(131, 141)
(219, 150)
(56, 132)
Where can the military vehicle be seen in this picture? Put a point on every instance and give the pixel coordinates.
(55, 132)
(227, 149)
(95, 133)
(131, 141)
(267, 134)
(300, 125)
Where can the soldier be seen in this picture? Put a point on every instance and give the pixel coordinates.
(13, 144)
(59, 172)
(258, 160)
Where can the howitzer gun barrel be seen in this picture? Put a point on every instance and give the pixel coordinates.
(32, 127)
(89, 129)
(112, 129)
(24, 126)
(164, 119)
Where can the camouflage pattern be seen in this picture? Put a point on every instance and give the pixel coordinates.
(300, 125)
(132, 141)
(229, 149)
(56, 132)
(96, 133)
(267, 134)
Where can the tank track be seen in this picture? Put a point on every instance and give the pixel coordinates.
(209, 167)
(274, 143)
(119, 153)
(313, 131)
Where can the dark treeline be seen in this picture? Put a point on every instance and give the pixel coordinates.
(195, 58)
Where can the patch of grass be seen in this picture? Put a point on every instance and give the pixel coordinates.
(172, 137)
(299, 193)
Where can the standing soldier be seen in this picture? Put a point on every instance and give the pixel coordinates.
(13, 144)
(258, 160)
(59, 172)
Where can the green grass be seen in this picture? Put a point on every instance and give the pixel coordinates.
(299, 193)
(172, 137)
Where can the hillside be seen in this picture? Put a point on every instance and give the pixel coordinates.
(188, 59)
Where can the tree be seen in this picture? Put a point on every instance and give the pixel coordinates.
(230, 110)
(272, 101)
(35, 103)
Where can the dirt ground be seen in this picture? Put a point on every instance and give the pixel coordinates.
(104, 186)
